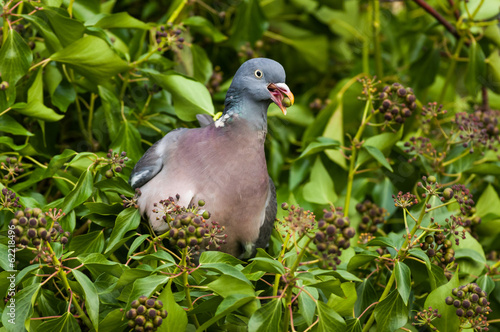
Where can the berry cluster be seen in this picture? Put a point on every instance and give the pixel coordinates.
(371, 216)
(471, 221)
(168, 36)
(472, 305)
(246, 50)
(9, 199)
(477, 130)
(404, 201)
(439, 249)
(13, 168)
(318, 104)
(463, 197)
(146, 314)
(398, 103)
(432, 111)
(420, 146)
(128, 202)
(333, 235)
(298, 221)
(30, 225)
(116, 161)
(189, 226)
(425, 318)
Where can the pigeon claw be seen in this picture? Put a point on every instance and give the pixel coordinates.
(281, 95)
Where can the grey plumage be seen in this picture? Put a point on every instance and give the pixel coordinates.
(223, 162)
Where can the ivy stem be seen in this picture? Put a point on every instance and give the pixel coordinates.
(451, 161)
(440, 206)
(376, 37)
(400, 256)
(185, 282)
(289, 290)
(62, 276)
(354, 152)
(282, 255)
(451, 68)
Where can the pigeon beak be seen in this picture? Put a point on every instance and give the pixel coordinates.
(281, 95)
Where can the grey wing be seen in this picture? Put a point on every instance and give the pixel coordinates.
(153, 160)
(204, 119)
(271, 210)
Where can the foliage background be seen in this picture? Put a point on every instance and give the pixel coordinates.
(82, 77)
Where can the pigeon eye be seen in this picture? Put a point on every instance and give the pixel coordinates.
(258, 73)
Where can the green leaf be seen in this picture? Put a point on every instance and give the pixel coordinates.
(137, 242)
(486, 283)
(41, 24)
(11, 126)
(229, 304)
(10, 143)
(121, 20)
(35, 107)
(493, 72)
(249, 23)
(23, 309)
(91, 296)
(57, 162)
(177, 318)
(378, 155)
(476, 69)
(16, 58)
(128, 219)
(111, 107)
(488, 202)
(307, 305)
(208, 257)
(419, 253)
(320, 144)
(146, 286)
(92, 242)
(329, 320)
(424, 70)
(91, 57)
(267, 264)
(113, 322)
(320, 187)
(66, 29)
(80, 193)
(128, 139)
(267, 318)
(344, 305)
(449, 320)
(205, 27)
(383, 142)
(225, 269)
(391, 313)
(335, 130)
(361, 259)
(403, 280)
(383, 241)
(190, 96)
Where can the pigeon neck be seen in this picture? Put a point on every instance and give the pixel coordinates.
(237, 108)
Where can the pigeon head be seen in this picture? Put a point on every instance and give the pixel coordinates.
(260, 81)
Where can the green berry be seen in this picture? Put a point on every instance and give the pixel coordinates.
(431, 179)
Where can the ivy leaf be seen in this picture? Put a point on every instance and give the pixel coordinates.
(190, 96)
(391, 313)
(229, 304)
(329, 320)
(403, 280)
(320, 144)
(205, 27)
(91, 57)
(11, 126)
(177, 318)
(24, 302)
(16, 58)
(146, 286)
(344, 304)
(378, 155)
(91, 296)
(35, 107)
(476, 68)
(128, 139)
(92, 242)
(128, 219)
(267, 318)
(80, 193)
(249, 23)
(121, 20)
(449, 321)
(320, 188)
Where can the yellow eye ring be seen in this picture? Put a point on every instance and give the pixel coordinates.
(258, 73)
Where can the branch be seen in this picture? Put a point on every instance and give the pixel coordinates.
(438, 17)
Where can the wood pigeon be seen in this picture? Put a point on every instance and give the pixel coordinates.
(223, 162)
